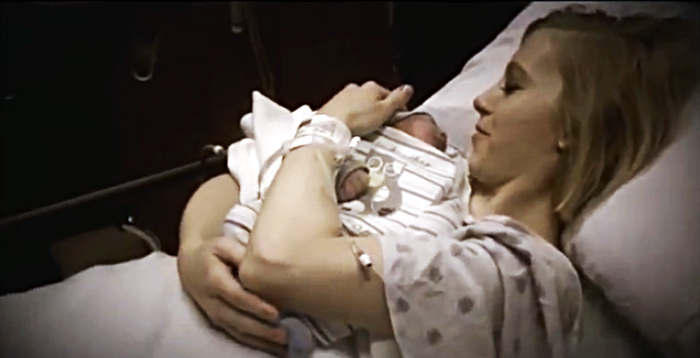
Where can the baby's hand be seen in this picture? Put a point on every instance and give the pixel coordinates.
(352, 182)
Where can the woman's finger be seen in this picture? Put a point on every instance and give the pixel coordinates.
(230, 290)
(254, 342)
(379, 92)
(229, 250)
(397, 99)
(227, 316)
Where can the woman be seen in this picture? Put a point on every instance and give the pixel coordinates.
(586, 103)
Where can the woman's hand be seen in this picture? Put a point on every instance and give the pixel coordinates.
(365, 108)
(207, 275)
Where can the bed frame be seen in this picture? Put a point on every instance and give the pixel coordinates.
(213, 160)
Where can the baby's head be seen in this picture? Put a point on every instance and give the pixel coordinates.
(421, 125)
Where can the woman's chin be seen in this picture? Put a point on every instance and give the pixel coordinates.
(474, 157)
(473, 163)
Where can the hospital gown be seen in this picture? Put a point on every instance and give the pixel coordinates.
(492, 289)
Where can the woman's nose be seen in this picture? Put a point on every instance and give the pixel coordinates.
(481, 106)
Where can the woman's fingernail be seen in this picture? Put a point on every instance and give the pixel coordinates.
(406, 88)
(271, 314)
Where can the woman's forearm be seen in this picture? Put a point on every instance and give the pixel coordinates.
(295, 258)
(205, 211)
(300, 207)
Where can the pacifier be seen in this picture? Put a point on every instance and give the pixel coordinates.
(376, 175)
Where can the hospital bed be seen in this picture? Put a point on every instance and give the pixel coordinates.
(620, 319)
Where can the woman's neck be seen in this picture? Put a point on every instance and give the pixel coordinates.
(515, 199)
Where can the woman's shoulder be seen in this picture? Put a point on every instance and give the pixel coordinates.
(498, 239)
(550, 277)
(493, 272)
(530, 249)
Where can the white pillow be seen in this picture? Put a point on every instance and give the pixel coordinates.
(642, 246)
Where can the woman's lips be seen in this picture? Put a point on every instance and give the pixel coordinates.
(481, 130)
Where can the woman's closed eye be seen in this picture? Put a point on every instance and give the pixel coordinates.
(509, 87)
(514, 78)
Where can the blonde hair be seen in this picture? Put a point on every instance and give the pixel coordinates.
(625, 83)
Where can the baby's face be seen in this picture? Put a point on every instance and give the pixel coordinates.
(423, 127)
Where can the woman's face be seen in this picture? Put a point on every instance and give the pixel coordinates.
(517, 133)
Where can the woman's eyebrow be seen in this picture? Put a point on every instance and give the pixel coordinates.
(516, 70)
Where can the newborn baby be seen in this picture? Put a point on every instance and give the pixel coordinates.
(353, 177)
(397, 178)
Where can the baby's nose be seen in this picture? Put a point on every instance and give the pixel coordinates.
(442, 140)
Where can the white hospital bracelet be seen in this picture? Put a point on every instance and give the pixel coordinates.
(319, 129)
(328, 127)
(287, 147)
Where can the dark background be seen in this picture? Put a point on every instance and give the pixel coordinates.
(73, 119)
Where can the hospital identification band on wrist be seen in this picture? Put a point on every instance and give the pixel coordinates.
(319, 129)
(329, 129)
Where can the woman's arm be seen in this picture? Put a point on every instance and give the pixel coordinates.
(296, 258)
(205, 211)
(206, 261)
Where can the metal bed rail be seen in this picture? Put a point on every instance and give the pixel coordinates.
(214, 160)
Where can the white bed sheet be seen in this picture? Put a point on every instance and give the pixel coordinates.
(134, 309)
